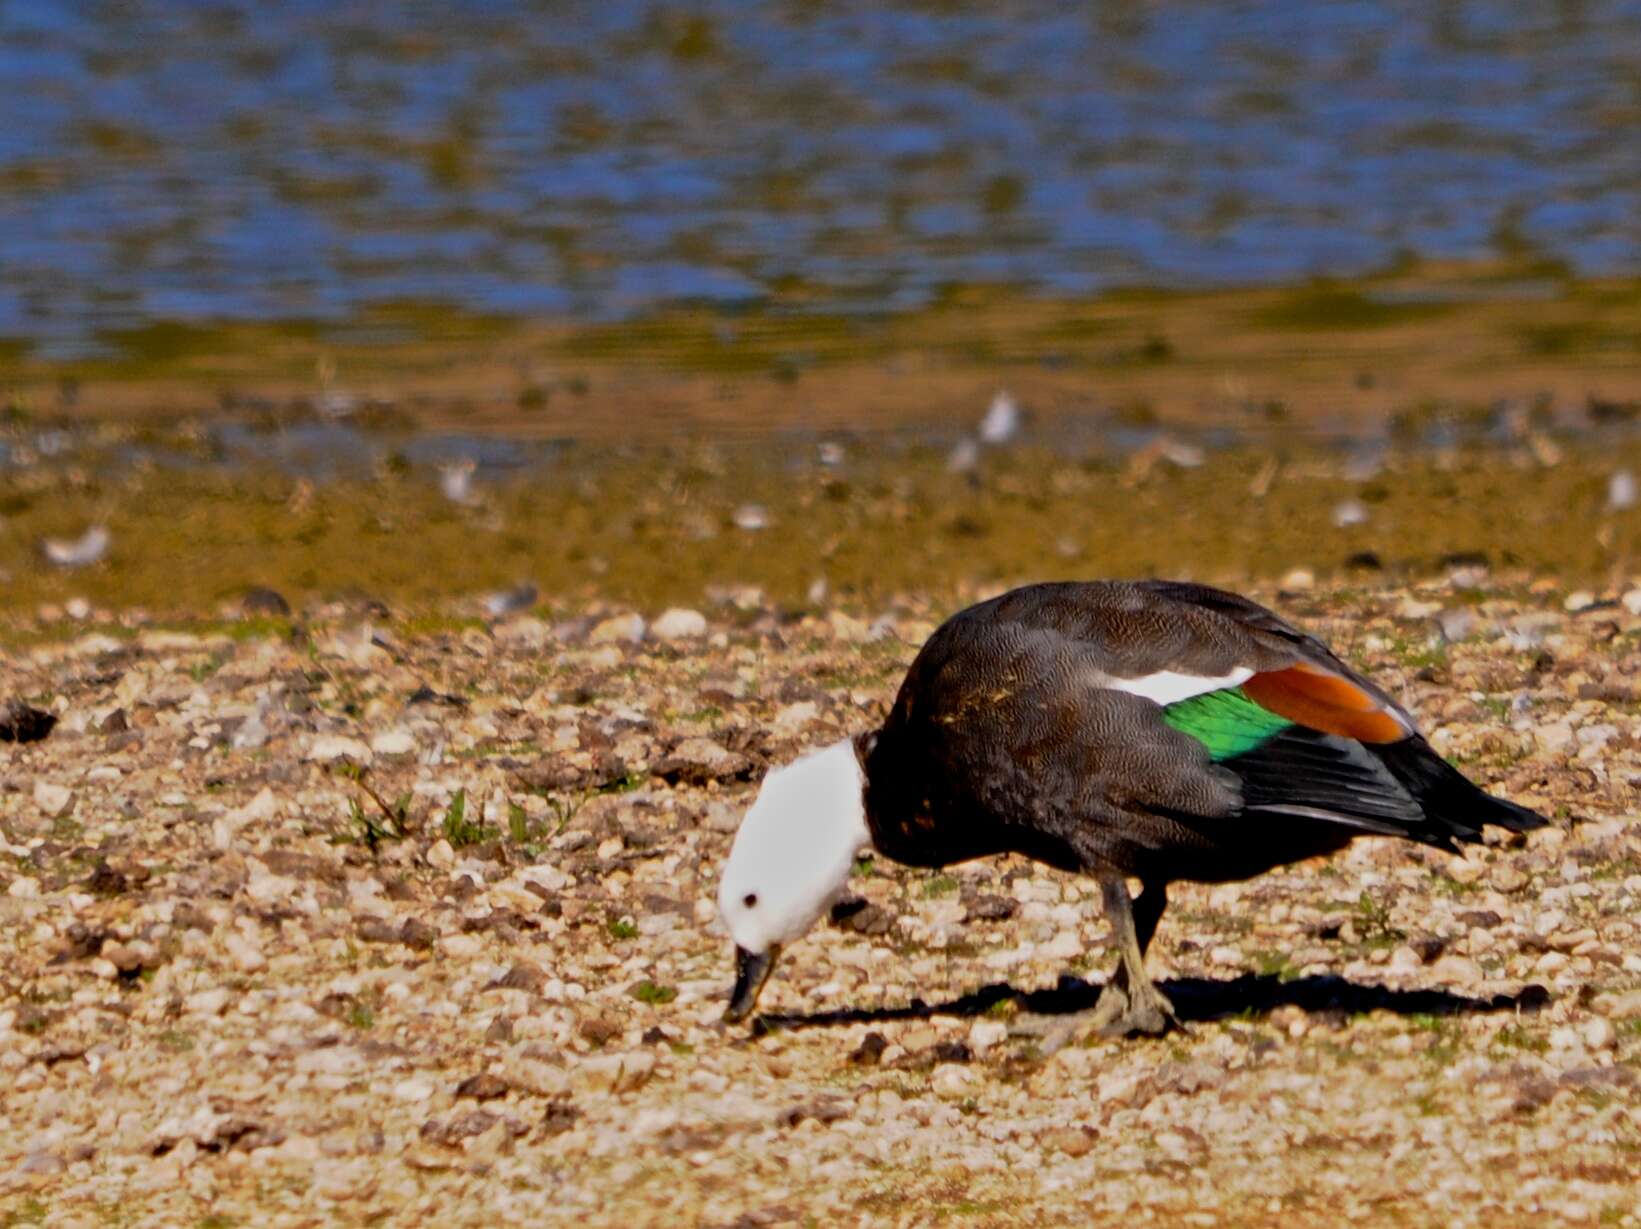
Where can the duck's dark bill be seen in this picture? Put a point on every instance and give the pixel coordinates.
(751, 972)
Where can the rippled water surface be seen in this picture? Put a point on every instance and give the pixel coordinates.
(189, 160)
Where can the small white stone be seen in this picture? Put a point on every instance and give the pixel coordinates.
(461, 947)
(1556, 737)
(984, 1034)
(618, 629)
(393, 742)
(52, 799)
(1299, 580)
(415, 1088)
(1565, 1037)
(679, 624)
(1599, 1034)
(441, 855)
(329, 747)
(953, 1081)
(1350, 512)
(1621, 491)
(246, 955)
(1063, 946)
(212, 1001)
(794, 716)
(1456, 970)
(23, 888)
(616, 1072)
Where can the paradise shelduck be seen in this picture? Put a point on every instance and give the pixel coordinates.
(1150, 730)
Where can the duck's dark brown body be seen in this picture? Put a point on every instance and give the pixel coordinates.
(1011, 734)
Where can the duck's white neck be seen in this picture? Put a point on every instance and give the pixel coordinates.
(795, 848)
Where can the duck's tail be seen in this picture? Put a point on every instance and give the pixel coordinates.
(1390, 789)
(1446, 796)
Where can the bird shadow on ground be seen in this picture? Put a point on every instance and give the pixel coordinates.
(1194, 999)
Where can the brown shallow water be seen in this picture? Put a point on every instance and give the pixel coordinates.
(659, 528)
(1402, 344)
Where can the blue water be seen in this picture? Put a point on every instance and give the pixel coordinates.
(176, 159)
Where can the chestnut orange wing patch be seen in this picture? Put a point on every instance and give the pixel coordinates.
(1325, 701)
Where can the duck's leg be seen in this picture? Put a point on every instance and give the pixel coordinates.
(1130, 1002)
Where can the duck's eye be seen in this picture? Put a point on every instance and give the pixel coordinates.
(750, 900)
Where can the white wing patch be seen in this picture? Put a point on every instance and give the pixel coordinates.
(1169, 687)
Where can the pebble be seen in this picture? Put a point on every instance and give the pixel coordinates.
(1599, 1034)
(245, 954)
(393, 742)
(54, 801)
(1072, 1141)
(327, 748)
(461, 947)
(678, 623)
(1456, 970)
(1350, 512)
(616, 1072)
(984, 1034)
(1556, 737)
(1507, 878)
(953, 1081)
(415, 1088)
(617, 629)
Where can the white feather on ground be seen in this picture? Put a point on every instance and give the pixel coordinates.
(78, 552)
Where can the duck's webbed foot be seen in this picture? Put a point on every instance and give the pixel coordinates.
(1130, 1004)
(1120, 1011)
(1128, 1011)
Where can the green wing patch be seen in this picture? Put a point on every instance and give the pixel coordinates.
(1227, 722)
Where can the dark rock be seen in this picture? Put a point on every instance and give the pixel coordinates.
(462, 1126)
(104, 880)
(262, 601)
(426, 695)
(862, 917)
(377, 930)
(1480, 919)
(500, 1030)
(21, 724)
(561, 1115)
(826, 1110)
(303, 866)
(870, 1051)
(482, 1087)
(1533, 1092)
(81, 942)
(337, 1006)
(1428, 947)
(600, 1030)
(1599, 1077)
(991, 908)
(522, 976)
(418, 934)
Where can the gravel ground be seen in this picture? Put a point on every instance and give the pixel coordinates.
(405, 923)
